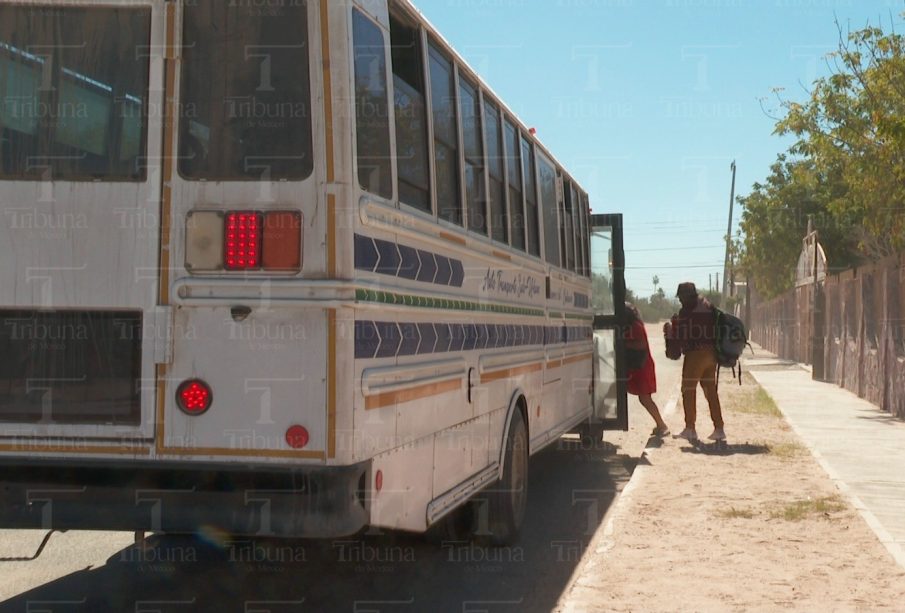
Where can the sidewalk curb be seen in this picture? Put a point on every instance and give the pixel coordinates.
(885, 538)
(602, 542)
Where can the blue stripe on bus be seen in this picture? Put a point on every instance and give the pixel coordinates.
(380, 339)
(401, 261)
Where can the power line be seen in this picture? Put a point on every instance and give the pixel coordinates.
(676, 224)
(717, 266)
(673, 249)
(696, 230)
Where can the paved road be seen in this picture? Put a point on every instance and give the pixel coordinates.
(571, 489)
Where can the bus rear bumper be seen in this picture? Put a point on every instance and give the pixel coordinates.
(307, 502)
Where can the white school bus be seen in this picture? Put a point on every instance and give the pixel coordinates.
(286, 268)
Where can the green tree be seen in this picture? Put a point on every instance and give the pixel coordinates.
(852, 130)
(657, 307)
(846, 169)
(775, 220)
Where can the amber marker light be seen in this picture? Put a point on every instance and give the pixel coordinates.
(282, 241)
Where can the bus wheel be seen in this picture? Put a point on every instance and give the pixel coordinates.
(507, 502)
(591, 436)
(456, 528)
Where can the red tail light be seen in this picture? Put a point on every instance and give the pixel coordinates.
(243, 241)
(194, 397)
(237, 241)
(297, 437)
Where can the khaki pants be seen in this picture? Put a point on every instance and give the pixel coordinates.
(700, 367)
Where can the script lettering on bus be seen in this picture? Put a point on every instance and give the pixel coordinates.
(518, 285)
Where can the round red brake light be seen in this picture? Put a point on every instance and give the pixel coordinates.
(194, 397)
(297, 437)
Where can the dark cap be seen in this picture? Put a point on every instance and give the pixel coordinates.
(687, 289)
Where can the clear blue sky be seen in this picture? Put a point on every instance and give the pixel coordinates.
(647, 102)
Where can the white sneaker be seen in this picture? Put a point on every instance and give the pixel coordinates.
(718, 435)
(688, 434)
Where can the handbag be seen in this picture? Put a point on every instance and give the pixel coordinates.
(635, 358)
(673, 349)
(673, 346)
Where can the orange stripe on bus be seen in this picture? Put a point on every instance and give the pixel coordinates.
(571, 360)
(328, 90)
(577, 358)
(169, 158)
(166, 194)
(331, 383)
(502, 256)
(92, 449)
(161, 406)
(331, 226)
(378, 401)
(452, 238)
(244, 453)
(507, 373)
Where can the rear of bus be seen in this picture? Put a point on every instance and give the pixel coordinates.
(164, 263)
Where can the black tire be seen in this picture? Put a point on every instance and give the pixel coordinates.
(457, 527)
(507, 501)
(591, 436)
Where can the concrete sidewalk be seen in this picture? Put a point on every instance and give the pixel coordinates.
(860, 446)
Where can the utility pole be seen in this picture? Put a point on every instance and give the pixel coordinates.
(729, 235)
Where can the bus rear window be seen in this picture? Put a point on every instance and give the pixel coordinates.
(246, 99)
(73, 92)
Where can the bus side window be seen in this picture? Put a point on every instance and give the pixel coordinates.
(548, 204)
(514, 172)
(568, 226)
(375, 172)
(446, 137)
(587, 250)
(581, 234)
(412, 165)
(475, 197)
(532, 230)
(499, 222)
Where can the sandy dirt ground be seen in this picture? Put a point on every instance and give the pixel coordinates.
(755, 527)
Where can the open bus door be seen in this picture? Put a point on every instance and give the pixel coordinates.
(608, 301)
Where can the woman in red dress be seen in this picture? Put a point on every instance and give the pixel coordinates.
(642, 382)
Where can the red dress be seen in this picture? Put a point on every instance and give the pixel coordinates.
(641, 381)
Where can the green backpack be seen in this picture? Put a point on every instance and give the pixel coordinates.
(731, 340)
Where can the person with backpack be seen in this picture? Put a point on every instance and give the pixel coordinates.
(694, 331)
(642, 378)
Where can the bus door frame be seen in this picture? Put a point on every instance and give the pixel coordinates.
(614, 321)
